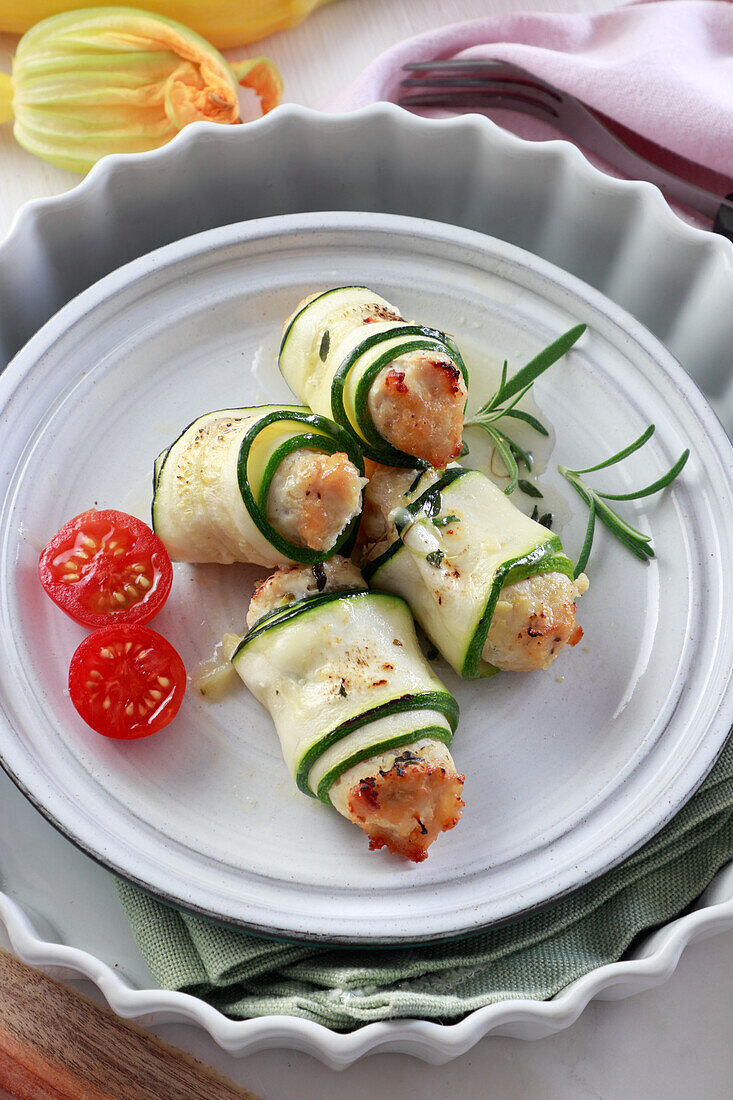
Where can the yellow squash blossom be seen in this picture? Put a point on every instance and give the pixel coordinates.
(120, 80)
(223, 22)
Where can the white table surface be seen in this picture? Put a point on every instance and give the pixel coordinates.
(673, 1042)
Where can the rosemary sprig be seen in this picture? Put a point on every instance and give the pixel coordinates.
(509, 393)
(636, 541)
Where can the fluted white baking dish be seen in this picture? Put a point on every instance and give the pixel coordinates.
(59, 909)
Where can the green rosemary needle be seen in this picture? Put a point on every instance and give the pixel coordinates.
(636, 541)
(509, 393)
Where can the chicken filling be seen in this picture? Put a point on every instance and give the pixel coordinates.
(294, 582)
(402, 799)
(417, 404)
(313, 497)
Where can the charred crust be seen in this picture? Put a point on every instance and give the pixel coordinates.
(395, 380)
(366, 791)
(389, 814)
(381, 313)
(399, 762)
(452, 373)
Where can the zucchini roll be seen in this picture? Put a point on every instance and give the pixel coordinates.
(491, 588)
(364, 723)
(398, 388)
(265, 485)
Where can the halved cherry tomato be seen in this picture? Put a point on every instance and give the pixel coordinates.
(126, 681)
(106, 567)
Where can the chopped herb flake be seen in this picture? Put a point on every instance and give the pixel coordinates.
(443, 521)
(342, 689)
(546, 520)
(320, 576)
(325, 345)
(414, 484)
(530, 489)
(435, 558)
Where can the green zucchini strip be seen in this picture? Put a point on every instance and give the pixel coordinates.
(291, 611)
(371, 636)
(254, 496)
(435, 733)
(296, 316)
(355, 375)
(440, 701)
(396, 569)
(260, 439)
(548, 558)
(430, 502)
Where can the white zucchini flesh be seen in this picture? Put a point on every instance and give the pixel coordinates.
(198, 508)
(330, 347)
(337, 662)
(365, 742)
(341, 313)
(453, 600)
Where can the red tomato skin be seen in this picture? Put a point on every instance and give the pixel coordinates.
(89, 599)
(126, 679)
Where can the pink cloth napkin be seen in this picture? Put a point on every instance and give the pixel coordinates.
(661, 70)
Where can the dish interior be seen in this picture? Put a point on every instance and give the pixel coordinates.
(566, 770)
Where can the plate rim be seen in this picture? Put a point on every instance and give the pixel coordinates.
(196, 248)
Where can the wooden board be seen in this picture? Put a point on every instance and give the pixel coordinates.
(56, 1044)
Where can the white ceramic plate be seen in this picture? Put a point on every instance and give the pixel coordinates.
(567, 771)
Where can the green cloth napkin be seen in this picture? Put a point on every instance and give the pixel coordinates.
(534, 957)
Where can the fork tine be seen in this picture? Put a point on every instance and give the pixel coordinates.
(460, 71)
(480, 97)
(489, 63)
(508, 85)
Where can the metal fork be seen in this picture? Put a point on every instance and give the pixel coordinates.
(466, 85)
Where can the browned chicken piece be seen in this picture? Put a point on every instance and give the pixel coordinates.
(402, 799)
(417, 405)
(294, 582)
(533, 620)
(313, 497)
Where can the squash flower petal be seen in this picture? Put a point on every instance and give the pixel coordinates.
(112, 80)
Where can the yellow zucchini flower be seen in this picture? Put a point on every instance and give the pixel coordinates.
(120, 80)
(223, 22)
